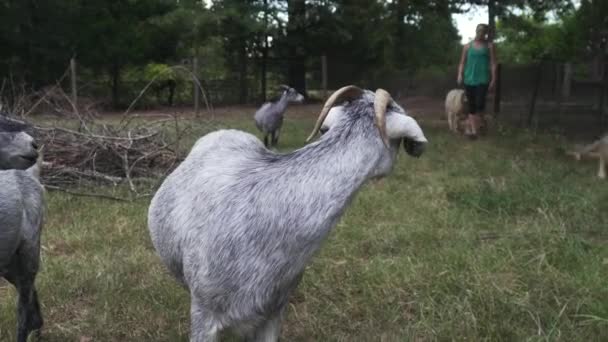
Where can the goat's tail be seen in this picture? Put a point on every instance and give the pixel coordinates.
(34, 170)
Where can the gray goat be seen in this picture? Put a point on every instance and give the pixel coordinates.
(269, 117)
(21, 219)
(18, 149)
(237, 224)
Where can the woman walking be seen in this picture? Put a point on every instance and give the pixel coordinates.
(477, 70)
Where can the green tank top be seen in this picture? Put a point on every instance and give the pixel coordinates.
(477, 66)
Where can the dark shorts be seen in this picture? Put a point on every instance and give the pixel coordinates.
(476, 96)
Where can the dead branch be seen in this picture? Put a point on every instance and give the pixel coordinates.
(108, 154)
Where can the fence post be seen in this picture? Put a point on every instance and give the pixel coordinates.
(539, 71)
(497, 89)
(195, 84)
(324, 75)
(603, 86)
(73, 83)
(567, 81)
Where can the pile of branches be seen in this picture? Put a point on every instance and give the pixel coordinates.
(129, 151)
(99, 153)
(137, 153)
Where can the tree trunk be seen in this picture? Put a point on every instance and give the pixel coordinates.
(264, 52)
(295, 37)
(491, 19)
(539, 71)
(398, 54)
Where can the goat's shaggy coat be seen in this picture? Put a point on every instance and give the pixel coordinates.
(455, 109)
(21, 220)
(237, 224)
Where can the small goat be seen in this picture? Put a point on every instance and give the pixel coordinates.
(237, 224)
(269, 117)
(21, 219)
(455, 109)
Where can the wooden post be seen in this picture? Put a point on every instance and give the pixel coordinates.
(497, 89)
(566, 81)
(195, 84)
(73, 83)
(603, 86)
(539, 72)
(324, 75)
(265, 52)
(557, 93)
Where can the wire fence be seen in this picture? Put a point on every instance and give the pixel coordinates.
(569, 96)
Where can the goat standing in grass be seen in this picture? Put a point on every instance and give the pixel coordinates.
(269, 117)
(455, 102)
(237, 224)
(21, 219)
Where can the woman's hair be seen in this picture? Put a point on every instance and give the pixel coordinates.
(485, 27)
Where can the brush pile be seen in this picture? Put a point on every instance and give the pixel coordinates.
(133, 152)
(101, 153)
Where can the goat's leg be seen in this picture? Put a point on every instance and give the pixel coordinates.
(202, 327)
(29, 317)
(269, 331)
(602, 168)
(275, 137)
(451, 121)
(266, 139)
(36, 321)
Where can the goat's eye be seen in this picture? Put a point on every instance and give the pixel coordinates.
(323, 130)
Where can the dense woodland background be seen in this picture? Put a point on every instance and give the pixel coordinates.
(501, 238)
(155, 54)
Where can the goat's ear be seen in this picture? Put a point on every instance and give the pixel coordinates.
(403, 126)
(332, 117)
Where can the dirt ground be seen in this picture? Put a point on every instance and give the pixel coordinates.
(576, 124)
(419, 107)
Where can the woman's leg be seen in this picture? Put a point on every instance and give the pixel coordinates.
(472, 100)
(481, 93)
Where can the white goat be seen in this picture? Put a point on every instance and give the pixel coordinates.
(455, 109)
(269, 117)
(21, 219)
(237, 224)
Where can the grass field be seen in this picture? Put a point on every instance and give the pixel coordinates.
(503, 238)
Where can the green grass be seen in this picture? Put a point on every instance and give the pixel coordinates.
(498, 239)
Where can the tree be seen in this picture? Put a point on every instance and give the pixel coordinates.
(591, 23)
(241, 30)
(295, 35)
(130, 32)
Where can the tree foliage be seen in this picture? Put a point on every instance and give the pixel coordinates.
(243, 39)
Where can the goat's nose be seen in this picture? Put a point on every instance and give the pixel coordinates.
(34, 145)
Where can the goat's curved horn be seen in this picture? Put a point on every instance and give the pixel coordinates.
(284, 86)
(344, 93)
(383, 98)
